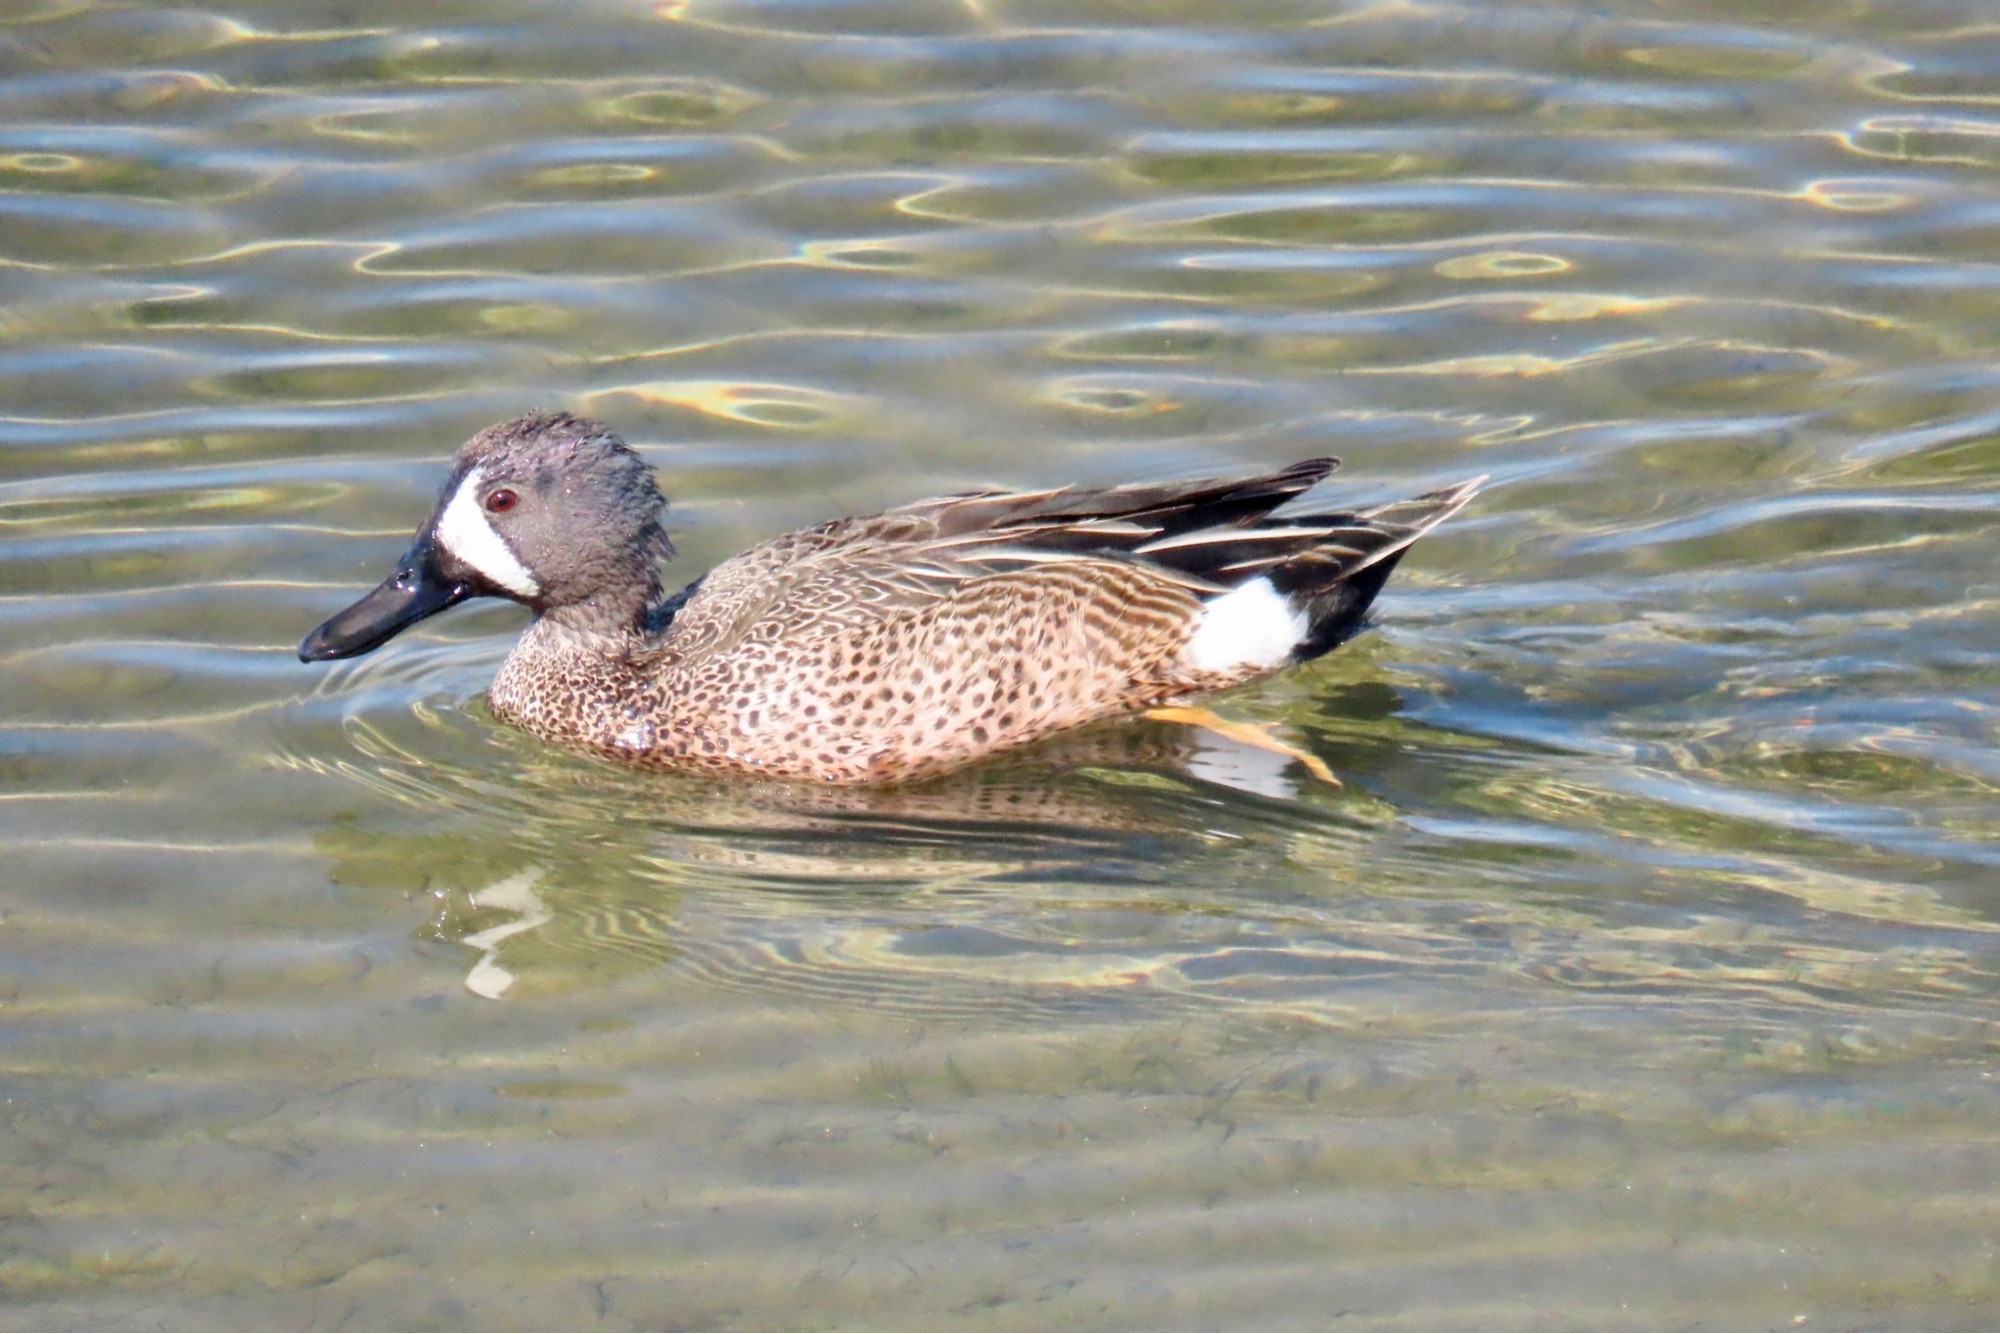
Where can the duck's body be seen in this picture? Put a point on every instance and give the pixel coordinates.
(886, 647)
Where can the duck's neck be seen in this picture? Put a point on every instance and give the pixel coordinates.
(616, 620)
(573, 673)
(605, 621)
(622, 614)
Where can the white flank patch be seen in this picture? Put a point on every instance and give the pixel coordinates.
(1249, 626)
(463, 531)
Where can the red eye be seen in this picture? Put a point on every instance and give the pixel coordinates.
(502, 500)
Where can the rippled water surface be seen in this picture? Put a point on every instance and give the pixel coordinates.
(1646, 971)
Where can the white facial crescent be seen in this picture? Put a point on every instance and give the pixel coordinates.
(463, 531)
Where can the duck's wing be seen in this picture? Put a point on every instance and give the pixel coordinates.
(1210, 536)
(1197, 539)
(1145, 509)
(954, 537)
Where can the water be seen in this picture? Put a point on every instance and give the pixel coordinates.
(1646, 971)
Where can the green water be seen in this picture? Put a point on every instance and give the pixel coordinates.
(1645, 972)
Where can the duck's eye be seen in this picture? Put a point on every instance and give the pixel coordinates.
(502, 500)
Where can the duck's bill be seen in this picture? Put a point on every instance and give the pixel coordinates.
(417, 589)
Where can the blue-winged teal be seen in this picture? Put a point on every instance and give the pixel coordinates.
(874, 649)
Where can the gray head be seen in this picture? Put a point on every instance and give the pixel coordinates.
(549, 510)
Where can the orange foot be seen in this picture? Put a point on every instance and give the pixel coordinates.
(1250, 734)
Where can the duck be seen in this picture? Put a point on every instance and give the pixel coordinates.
(880, 648)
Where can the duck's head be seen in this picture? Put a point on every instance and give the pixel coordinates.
(549, 510)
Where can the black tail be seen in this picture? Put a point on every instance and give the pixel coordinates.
(1338, 579)
(1341, 612)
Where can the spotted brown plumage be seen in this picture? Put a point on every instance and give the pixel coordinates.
(880, 648)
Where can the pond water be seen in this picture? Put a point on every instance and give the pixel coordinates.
(1645, 971)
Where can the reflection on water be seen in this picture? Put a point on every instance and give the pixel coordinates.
(1644, 964)
(515, 895)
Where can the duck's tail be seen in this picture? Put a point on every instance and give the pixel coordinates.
(1337, 579)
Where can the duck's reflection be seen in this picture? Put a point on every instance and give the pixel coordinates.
(580, 883)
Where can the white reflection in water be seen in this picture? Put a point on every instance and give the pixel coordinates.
(1234, 764)
(515, 894)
